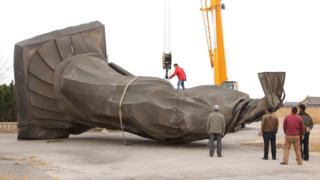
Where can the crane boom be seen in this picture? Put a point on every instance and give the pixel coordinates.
(211, 11)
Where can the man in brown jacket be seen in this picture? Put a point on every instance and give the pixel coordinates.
(269, 129)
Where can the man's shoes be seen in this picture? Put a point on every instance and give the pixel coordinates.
(219, 155)
(284, 163)
(265, 158)
(274, 158)
(306, 159)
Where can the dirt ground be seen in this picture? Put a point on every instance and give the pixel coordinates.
(314, 112)
(104, 156)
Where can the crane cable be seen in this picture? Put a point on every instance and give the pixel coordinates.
(120, 105)
(167, 27)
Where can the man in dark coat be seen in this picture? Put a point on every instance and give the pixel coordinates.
(308, 125)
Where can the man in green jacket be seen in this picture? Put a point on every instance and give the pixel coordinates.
(216, 129)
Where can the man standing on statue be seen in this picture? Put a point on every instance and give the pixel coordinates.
(181, 76)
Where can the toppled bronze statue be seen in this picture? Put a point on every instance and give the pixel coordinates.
(65, 85)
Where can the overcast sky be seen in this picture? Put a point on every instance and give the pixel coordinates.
(260, 35)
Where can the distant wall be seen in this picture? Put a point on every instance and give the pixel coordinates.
(8, 127)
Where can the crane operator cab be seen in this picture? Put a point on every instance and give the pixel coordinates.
(230, 84)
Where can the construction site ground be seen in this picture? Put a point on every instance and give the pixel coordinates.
(102, 155)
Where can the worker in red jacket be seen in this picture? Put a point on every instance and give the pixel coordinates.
(180, 74)
(293, 128)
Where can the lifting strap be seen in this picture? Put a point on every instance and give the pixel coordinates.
(120, 104)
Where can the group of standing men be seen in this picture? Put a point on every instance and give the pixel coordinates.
(296, 127)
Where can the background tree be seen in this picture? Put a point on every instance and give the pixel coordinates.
(8, 110)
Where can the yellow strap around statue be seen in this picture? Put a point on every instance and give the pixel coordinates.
(120, 104)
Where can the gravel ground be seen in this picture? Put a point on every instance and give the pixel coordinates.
(104, 156)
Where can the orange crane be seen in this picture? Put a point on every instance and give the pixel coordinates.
(211, 12)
